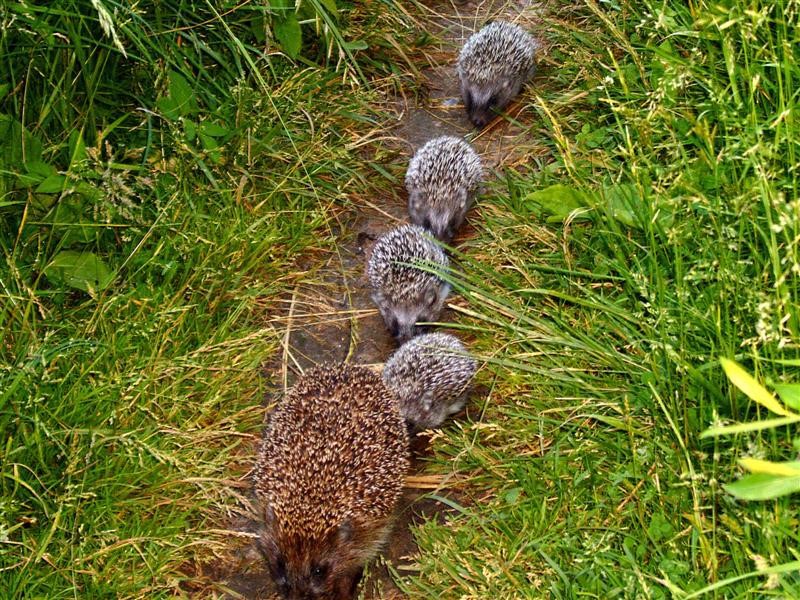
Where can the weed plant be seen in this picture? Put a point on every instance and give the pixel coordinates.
(667, 237)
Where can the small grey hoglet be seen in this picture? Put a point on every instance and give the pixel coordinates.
(330, 470)
(493, 66)
(442, 180)
(404, 293)
(430, 377)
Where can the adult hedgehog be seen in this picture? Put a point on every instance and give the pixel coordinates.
(330, 470)
(493, 66)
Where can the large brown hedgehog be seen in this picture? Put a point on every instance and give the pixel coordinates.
(330, 470)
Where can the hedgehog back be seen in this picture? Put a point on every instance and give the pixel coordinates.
(498, 50)
(436, 363)
(390, 269)
(441, 168)
(335, 449)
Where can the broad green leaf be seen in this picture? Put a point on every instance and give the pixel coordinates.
(17, 145)
(80, 270)
(52, 185)
(789, 393)
(592, 138)
(287, 32)
(190, 129)
(751, 388)
(40, 168)
(213, 129)
(181, 101)
(333, 10)
(169, 108)
(761, 486)
(620, 203)
(208, 143)
(757, 465)
(557, 200)
(356, 45)
(68, 221)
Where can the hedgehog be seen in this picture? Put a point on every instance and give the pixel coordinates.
(442, 180)
(329, 473)
(492, 66)
(430, 377)
(404, 293)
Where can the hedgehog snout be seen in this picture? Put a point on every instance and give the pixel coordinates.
(482, 110)
(394, 326)
(408, 331)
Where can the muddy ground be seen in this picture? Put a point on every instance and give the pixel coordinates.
(335, 320)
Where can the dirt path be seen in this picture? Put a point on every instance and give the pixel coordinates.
(336, 320)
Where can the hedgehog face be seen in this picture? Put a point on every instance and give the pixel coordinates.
(484, 101)
(401, 318)
(433, 413)
(305, 569)
(442, 224)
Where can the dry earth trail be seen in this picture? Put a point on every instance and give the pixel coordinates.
(335, 319)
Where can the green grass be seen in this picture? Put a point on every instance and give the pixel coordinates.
(671, 131)
(145, 253)
(150, 228)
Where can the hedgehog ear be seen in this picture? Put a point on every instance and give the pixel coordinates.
(345, 532)
(463, 196)
(265, 534)
(468, 101)
(269, 516)
(430, 298)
